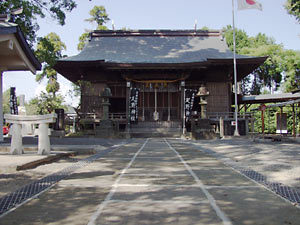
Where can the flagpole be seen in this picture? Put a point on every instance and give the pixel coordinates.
(236, 131)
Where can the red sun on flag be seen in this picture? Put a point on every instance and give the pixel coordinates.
(250, 2)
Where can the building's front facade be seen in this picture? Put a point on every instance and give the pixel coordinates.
(154, 75)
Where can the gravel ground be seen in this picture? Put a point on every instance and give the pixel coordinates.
(278, 161)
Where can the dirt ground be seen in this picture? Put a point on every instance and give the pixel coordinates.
(278, 161)
(160, 181)
(11, 179)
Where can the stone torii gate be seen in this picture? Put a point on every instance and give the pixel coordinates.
(42, 120)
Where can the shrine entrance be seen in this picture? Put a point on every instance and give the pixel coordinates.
(159, 102)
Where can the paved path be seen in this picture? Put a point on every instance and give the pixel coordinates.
(156, 181)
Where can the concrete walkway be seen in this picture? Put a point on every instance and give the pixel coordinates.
(156, 181)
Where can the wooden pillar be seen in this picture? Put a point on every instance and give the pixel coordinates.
(252, 124)
(294, 122)
(281, 111)
(262, 109)
(1, 106)
(298, 119)
(262, 122)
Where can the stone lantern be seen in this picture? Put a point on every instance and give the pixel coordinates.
(105, 128)
(203, 93)
(105, 103)
(201, 128)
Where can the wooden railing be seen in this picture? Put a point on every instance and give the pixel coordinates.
(227, 115)
(117, 116)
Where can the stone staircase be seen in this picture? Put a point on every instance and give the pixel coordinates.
(156, 129)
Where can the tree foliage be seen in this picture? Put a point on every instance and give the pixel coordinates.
(46, 103)
(49, 50)
(281, 65)
(292, 68)
(100, 17)
(5, 101)
(33, 10)
(293, 8)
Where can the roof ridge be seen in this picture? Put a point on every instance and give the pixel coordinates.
(120, 33)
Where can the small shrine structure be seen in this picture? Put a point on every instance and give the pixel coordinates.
(15, 55)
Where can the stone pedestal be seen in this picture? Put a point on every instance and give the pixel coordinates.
(222, 132)
(105, 129)
(202, 129)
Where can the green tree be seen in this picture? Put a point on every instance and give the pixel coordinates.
(33, 10)
(100, 17)
(49, 50)
(5, 102)
(46, 103)
(292, 70)
(242, 39)
(281, 65)
(268, 75)
(293, 8)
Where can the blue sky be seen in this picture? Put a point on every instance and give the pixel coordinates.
(162, 14)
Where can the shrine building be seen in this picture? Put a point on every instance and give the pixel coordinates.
(154, 75)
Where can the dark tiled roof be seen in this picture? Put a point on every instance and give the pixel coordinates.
(152, 46)
(12, 28)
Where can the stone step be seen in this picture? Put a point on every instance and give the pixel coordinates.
(155, 134)
(158, 124)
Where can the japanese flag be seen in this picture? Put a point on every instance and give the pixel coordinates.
(249, 4)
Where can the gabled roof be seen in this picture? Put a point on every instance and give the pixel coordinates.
(15, 53)
(155, 46)
(141, 50)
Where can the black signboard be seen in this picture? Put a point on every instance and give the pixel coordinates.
(133, 104)
(13, 101)
(189, 102)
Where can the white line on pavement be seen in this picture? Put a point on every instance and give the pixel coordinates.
(160, 201)
(185, 185)
(156, 175)
(219, 212)
(231, 187)
(113, 190)
(155, 185)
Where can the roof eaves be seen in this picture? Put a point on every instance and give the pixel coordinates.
(27, 50)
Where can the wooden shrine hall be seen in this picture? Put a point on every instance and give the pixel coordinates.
(154, 75)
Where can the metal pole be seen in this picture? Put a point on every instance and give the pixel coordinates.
(236, 131)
